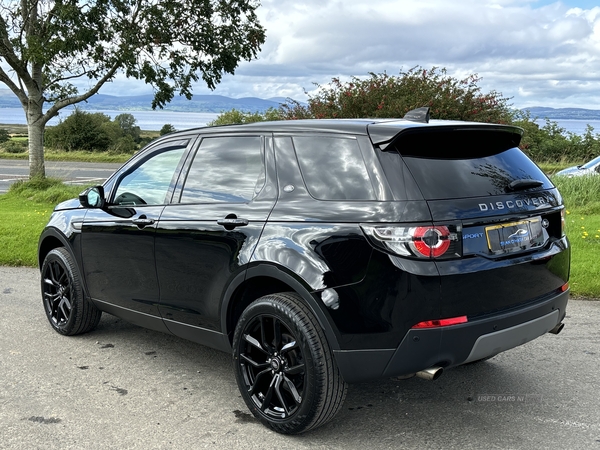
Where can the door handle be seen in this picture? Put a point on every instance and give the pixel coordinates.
(143, 221)
(230, 223)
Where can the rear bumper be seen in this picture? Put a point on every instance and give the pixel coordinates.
(455, 345)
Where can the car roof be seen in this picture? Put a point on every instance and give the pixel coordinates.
(379, 130)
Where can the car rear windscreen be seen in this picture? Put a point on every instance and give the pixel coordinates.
(467, 163)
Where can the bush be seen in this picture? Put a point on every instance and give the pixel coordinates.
(125, 144)
(236, 117)
(166, 129)
(145, 141)
(553, 144)
(80, 131)
(15, 147)
(386, 96)
(4, 135)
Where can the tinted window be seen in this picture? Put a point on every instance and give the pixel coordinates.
(333, 168)
(443, 178)
(149, 182)
(225, 169)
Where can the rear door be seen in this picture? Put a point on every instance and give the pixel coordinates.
(207, 236)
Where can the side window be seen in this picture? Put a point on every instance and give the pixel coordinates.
(148, 184)
(333, 168)
(228, 169)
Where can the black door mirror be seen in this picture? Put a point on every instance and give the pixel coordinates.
(92, 197)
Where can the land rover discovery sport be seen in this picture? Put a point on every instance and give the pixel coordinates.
(318, 252)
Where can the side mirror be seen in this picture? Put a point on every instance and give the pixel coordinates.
(92, 197)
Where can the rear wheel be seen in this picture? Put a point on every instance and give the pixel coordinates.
(284, 367)
(67, 309)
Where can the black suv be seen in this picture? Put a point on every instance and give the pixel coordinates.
(319, 252)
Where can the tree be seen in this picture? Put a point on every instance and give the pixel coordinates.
(61, 52)
(127, 123)
(166, 129)
(383, 95)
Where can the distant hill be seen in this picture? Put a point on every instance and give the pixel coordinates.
(220, 103)
(542, 112)
(199, 103)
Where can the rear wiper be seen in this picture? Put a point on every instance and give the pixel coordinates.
(522, 184)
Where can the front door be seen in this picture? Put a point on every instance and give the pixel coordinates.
(117, 242)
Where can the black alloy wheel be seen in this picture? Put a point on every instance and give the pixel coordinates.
(284, 367)
(68, 311)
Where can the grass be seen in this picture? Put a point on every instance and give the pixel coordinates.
(584, 235)
(553, 167)
(25, 209)
(582, 201)
(76, 156)
(580, 194)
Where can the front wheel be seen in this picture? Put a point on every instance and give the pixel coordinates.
(284, 367)
(67, 309)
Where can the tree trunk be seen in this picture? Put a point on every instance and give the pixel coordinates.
(35, 128)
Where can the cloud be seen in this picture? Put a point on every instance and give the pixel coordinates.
(537, 52)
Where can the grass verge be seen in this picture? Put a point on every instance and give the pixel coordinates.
(76, 156)
(581, 199)
(24, 211)
(584, 234)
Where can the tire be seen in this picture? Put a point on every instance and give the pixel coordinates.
(284, 367)
(67, 309)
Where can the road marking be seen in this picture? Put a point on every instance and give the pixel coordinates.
(84, 180)
(76, 180)
(10, 177)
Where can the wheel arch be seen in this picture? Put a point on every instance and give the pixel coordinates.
(266, 279)
(49, 240)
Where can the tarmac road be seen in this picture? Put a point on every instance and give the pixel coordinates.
(12, 170)
(121, 386)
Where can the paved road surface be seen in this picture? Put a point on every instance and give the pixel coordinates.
(12, 170)
(125, 387)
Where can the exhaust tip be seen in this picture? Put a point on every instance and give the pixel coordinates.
(557, 329)
(431, 374)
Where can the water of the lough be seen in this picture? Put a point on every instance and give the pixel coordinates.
(154, 120)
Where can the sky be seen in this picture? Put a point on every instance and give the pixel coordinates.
(535, 52)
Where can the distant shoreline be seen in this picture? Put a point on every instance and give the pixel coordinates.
(155, 120)
(146, 120)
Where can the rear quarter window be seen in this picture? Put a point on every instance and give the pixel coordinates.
(333, 168)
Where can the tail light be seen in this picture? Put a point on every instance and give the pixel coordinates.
(562, 221)
(427, 241)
